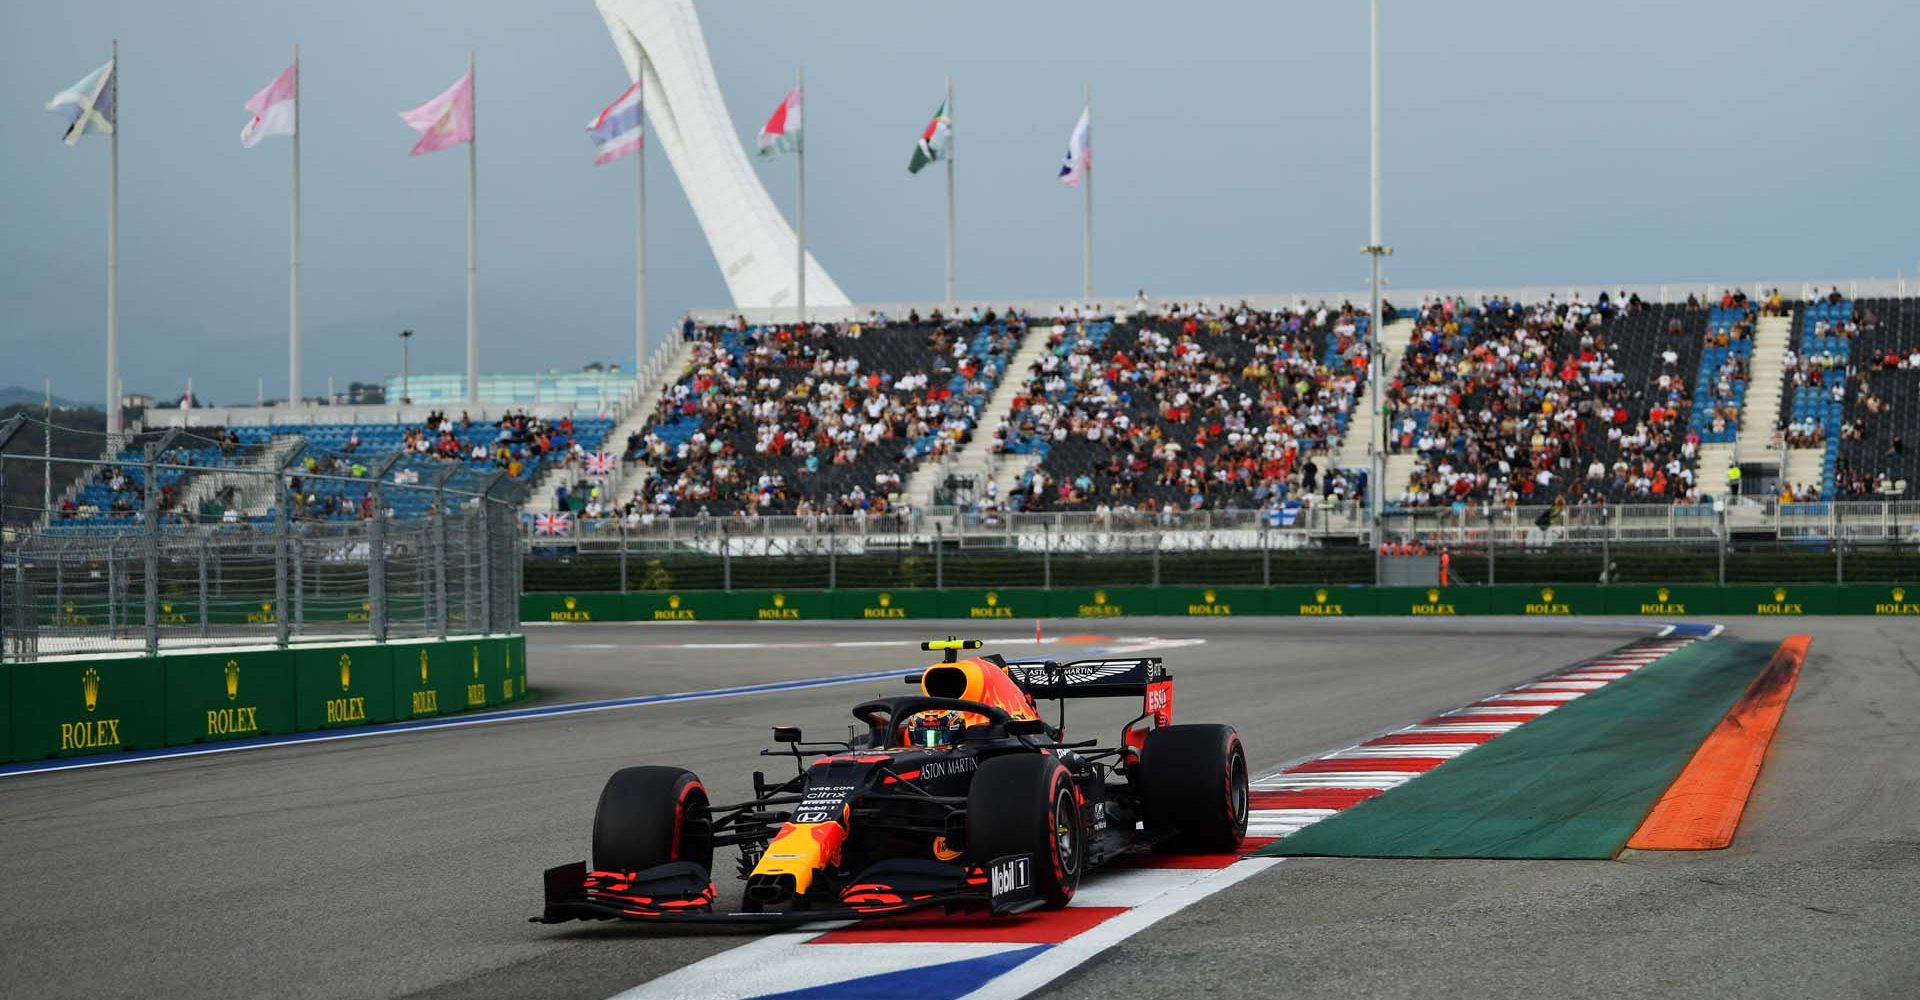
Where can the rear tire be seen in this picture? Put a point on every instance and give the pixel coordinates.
(1194, 783)
(649, 816)
(1027, 804)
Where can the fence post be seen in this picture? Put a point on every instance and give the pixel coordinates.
(114, 587)
(1046, 555)
(150, 517)
(1721, 515)
(206, 543)
(440, 563)
(1266, 556)
(939, 559)
(1493, 547)
(1606, 545)
(1155, 542)
(283, 555)
(377, 567)
(1839, 560)
(726, 556)
(623, 554)
(833, 558)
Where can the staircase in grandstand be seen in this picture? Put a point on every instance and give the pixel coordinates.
(977, 460)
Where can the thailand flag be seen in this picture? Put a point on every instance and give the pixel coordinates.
(551, 524)
(600, 463)
(617, 131)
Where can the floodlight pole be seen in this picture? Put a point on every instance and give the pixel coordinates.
(1376, 358)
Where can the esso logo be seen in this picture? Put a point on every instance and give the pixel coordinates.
(1158, 699)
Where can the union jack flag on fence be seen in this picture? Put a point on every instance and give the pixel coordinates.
(600, 463)
(551, 524)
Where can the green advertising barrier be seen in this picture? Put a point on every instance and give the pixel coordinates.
(1785, 599)
(343, 686)
(866, 605)
(1431, 602)
(241, 612)
(1883, 599)
(781, 605)
(988, 605)
(1663, 602)
(6, 712)
(183, 611)
(87, 706)
(483, 679)
(1212, 602)
(1548, 600)
(1320, 602)
(75, 612)
(583, 607)
(1103, 602)
(428, 677)
(686, 606)
(226, 696)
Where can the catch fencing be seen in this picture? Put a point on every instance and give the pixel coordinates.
(223, 553)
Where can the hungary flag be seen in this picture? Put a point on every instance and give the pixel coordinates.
(781, 133)
(935, 141)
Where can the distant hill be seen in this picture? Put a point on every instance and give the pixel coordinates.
(14, 395)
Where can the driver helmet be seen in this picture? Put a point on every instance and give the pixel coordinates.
(935, 728)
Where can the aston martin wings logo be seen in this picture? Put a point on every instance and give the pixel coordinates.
(1076, 673)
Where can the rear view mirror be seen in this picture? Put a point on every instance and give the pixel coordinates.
(1027, 727)
(786, 734)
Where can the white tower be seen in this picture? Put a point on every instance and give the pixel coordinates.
(687, 117)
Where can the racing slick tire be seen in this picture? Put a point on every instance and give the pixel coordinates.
(1194, 787)
(1027, 804)
(649, 816)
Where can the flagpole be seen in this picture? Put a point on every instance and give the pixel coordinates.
(1086, 189)
(113, 255)
(1376, 358)
(800, 229)
(640, 235)
(952, 295)
(293, 263)
(473, 296)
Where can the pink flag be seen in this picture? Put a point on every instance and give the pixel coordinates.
(446, 120)
(272, 110)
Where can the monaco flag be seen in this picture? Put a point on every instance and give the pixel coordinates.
(781, 133)
(272, 110)
(446, 120)
(1079, 150)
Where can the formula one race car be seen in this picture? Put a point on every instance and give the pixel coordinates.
(958, 796)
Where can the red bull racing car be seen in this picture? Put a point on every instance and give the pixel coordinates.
(959, 796)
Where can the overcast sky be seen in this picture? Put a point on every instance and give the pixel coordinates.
(1525, 143)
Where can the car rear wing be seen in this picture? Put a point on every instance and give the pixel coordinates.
(1106, 677)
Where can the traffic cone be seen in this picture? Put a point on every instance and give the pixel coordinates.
(1036, 631)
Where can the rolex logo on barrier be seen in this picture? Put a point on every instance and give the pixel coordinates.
(476, 691)
(1100, 608)
(69, 618)
(1897, 606)
(425, 701)
(1663, 604)
(885, 610)
(992, 609)
(348, 708)
(673, 612)
(1209, 605)
(92, 733)
(570, 614)
(1433, 605)
(262, 616)
(779, 611)
(168, 616)
(1547, 605)
(236, 720)
(1779, 605)
(1321, 607)
(364, 614)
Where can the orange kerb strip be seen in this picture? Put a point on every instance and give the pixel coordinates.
(1702, 807)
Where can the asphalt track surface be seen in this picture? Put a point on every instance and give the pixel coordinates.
(406, 865)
